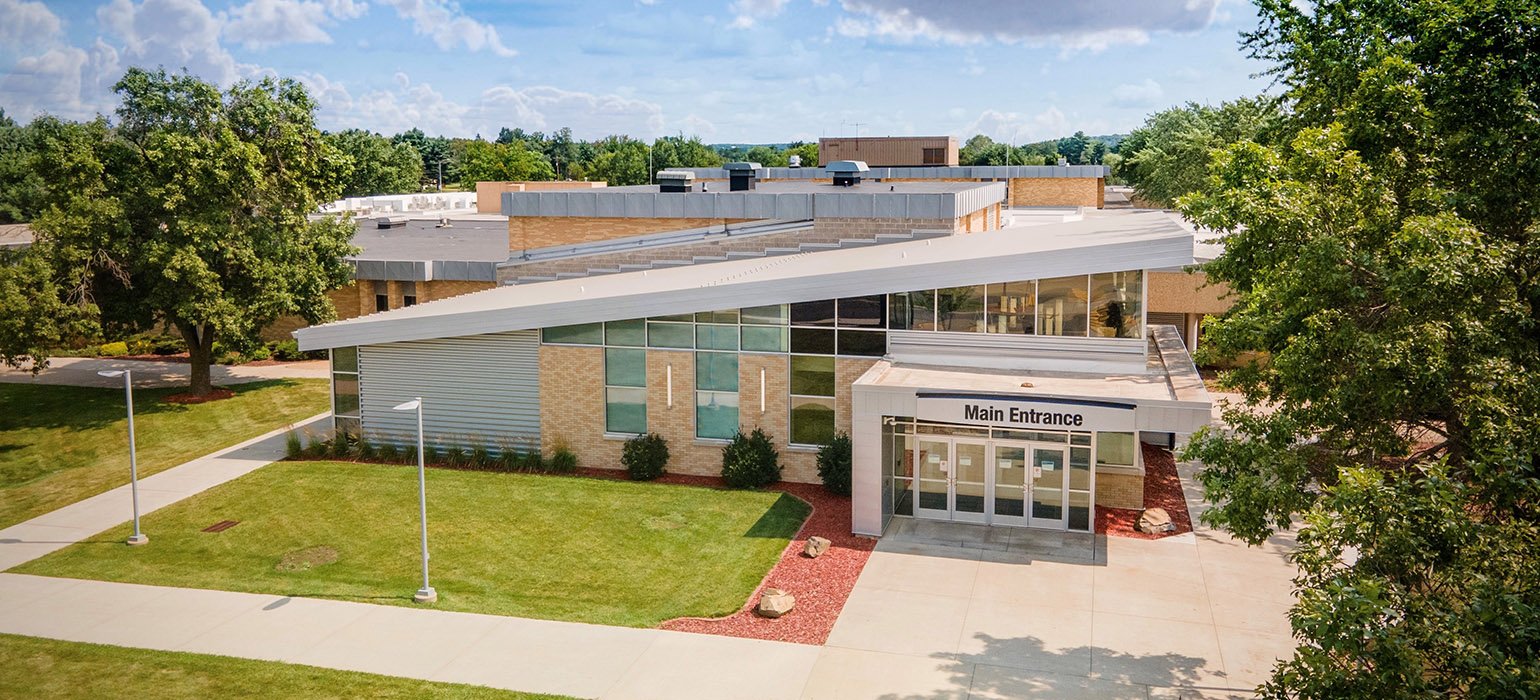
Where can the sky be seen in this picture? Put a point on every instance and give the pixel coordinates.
(729, 71)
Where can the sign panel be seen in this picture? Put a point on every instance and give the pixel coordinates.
(1025, 412)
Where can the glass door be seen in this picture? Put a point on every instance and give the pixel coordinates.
(969, 469)
(1010, 488)
(1048, 469)
(933, 492)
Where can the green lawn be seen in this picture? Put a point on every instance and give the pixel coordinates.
(60, 444)
(560, 548)
(46, 668)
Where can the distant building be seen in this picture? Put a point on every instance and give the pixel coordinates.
(890, 151)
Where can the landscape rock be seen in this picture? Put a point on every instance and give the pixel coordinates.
(775, 602)
(815, 546)
(1154, 521)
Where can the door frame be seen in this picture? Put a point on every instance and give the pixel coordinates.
(988, 517)
(1062, 522)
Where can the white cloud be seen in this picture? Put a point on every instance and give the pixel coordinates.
(449, 27)
(27, 24)
(747, 12)
(263, 23)
(172, 33)
(1017, 127)
(65, 81)
(1082, 25)
(1143, 94)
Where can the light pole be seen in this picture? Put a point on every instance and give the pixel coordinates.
(138, 537)
(426, 594)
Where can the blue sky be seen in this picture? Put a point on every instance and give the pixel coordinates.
(727, 70)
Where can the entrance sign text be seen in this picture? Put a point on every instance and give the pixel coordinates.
(1025, 412)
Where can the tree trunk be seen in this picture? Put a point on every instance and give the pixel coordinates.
(200, 353)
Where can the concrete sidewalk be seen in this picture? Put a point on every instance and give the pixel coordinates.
(34, 538)
(81, 371)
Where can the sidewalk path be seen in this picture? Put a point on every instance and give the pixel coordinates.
(81, 371)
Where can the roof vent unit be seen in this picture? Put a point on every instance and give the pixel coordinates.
(793, 161)
(741, 176)
(846, 172)
(391, 222)
(677, 181)
(1063, 162)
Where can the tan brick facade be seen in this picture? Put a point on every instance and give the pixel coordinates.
(1183, 292)
(1119, 490)
(489, 194)
(526, 232)
(1057, 192)
(867, 228)
(572, 405)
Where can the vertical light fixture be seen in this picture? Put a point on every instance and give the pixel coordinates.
(426, 594)
(761, 390)
(668, 380)
(138, 537)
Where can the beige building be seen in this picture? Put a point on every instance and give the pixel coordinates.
(890, 151)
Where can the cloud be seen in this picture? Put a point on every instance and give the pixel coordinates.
(1083, 25)
(27, 24)
(174, 34)
(449, 26)
(65, 81)
(1142, 94)
(1016, 127)
(747, 12)
(263, 23)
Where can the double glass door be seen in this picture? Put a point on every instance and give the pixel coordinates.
(981, 481)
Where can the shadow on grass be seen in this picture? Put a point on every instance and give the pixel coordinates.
(24, 406)
(782, 519)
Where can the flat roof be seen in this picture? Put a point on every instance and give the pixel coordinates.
(788, 201)
(968, 172)
(1100, 244)
(16, 235)
(468, 249)
(807, 186)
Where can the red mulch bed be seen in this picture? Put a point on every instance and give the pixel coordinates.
(1162, 489)
(820, 585)
(218, 394)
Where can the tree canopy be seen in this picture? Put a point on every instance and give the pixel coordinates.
(377, 165)
(1384, 260)
(191, 210)
(1168, 156)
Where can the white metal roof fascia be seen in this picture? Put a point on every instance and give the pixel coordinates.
(945, 262)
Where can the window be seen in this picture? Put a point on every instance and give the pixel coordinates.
(813, 341)
(670, 335)
(812, 399)
(863, 312)
(631, 333)
(1061, 306)
(764, 338)
(1117, 304)
(773, 315)
(813, 313)
(716, 395)
(914, 311)
(716, 337)
(346, 417)
(934, 156)
(1116, 449)
(381, 295)
(408, 294)
(625, 391)
(960, 309)
(863, 343)
(1012, 307)
(581, 334)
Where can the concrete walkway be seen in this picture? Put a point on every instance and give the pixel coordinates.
(82, 371)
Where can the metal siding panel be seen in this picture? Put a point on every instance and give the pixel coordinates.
(482, 388)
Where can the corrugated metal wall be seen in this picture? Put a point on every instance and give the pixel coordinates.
(475, 389)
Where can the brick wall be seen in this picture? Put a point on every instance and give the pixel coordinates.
(867, 228)
(572, 405)
(435, 290)
(1119, 490)
(525, 232)
(1056, 192)
(489, 194)
(1182, 292)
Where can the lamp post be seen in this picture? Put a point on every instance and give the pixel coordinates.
(138, 537)
(426, 594)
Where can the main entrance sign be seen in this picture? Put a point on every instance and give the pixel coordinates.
(1025, 412)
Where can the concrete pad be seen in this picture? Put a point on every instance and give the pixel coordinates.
(919, 574)
(680, 665)
(283, 629)
(900, 622)
(543, 658)
(399, 641)
(72, 611)
(171, 621)
(999, 683)
(1044, 583)
(1147, 594)
(1251, 614)
(850, 674)
(19, 590)
(1149, 651)
(929, 549)
(1250, 656)
(1031, 637)
(1257, 581)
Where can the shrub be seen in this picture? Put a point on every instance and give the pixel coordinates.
(532, 461)
(117, 349)
(293, 446)
(388, 452)
(431, 454)
(563, 459)
(456, 456)
(140, 346)
(168, 345)
(750, 461)
(285, 350)
(260, 352)
(314, 445)
(342, 445)
(481, 457)
(645, 456)
(366, 449)
(834, 465)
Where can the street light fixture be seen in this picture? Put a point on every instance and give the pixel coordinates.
(138, 537)
(426, 594)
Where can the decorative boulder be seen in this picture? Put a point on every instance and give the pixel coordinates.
(1154, 521)
(815, 546)
(774, 602)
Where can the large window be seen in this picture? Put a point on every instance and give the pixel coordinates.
(960, 309)
(1062, 306)
(625, 391)
(1117, 308)
(812, 399)
(913, 311)
(716, 395)
(345, 398)
(1012, 307)
(1103, 305)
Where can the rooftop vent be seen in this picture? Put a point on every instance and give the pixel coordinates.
(677, 181)
(846, 172)
(391, 222)
(794, 161)
(741, 176)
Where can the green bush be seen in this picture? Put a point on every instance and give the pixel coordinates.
(533, 461)
(168, 345)
(342, 445)
(388, 452)
(366, 449)
(140, 346)
(260, 352)
(750, 461)
(645, 456)
(834, 465)
(285, 350)
(117, 349)
(293, 446)
(481, 457)
(456, 456)
(314, 445)
(563, 459)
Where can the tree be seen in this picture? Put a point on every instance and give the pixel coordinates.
(1169, 156)
(21, 188)
(436, 153)
(679, 152)
(192, 211)
(766, 156)
(1383, 260)
(621, 161)
(807, 151)
(482, 161)
(377, 165)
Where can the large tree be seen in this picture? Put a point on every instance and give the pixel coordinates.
(21, 188)
(1387, 270)
(192, 210)
(482, 161)
(1168, 156)
(377, 166)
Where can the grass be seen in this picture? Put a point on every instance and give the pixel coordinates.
(60, 444)
(559, 548)
(46, 668)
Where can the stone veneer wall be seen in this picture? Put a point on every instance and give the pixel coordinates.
(1119, 489)
(1057, 192)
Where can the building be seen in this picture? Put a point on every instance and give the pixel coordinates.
(489, 194)
(890, 151)
(992, 363)
(1025, 185)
